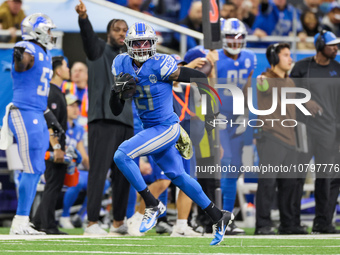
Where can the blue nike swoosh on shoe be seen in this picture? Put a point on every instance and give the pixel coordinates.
(145, 226)
(219, 236)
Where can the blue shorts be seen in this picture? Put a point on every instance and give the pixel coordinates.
(159, 142)
(31, 133)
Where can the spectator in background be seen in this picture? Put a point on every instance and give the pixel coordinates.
(44, 218)
(311, 27)
(255, 7)
(244, 12)
(74, 138)
(228, 10)
(106, 131)
(78, 86)
(331, 22)
(276, 146)
(312, 6)
(275, 18)
(321, 74)
(145, 6)
(11, 16)
(192, 21)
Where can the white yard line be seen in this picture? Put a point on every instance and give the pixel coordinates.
(54, 237)
(180, 245)
(144, 253)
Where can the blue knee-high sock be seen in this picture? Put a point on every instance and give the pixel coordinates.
(192, 189)
(130, 170)
(228, 186)
(164, 199)
(130, 210)
(70, 197)
(27, 191)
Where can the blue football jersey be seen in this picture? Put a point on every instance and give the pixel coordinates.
(153, 97)
(31, 87)
(233, 72)
(74, 134)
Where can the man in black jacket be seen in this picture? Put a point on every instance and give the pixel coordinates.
(106, 131)
(44, 219)
(321, 75)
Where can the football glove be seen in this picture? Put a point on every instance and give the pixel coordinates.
(123, 82)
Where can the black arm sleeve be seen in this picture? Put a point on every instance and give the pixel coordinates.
(192, 75)
(116, 104)
(93, 45)
(52, 122)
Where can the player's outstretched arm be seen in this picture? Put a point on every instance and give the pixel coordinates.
(184, 74)
(22, 60)
(93, 45)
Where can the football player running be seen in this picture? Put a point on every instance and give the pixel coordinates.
(32, 72)
(235, 66)
(151, 75)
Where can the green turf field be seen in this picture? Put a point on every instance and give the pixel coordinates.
(156, 244)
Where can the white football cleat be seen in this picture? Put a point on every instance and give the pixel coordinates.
(120, 231)
(133, 224)
(65, 222)
(178, 231)
(22, 226)
(95, 230)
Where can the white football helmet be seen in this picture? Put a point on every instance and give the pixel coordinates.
(139, 35)
(234, 35)
(37, 27)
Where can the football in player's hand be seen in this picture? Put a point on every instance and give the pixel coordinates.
(206, 68)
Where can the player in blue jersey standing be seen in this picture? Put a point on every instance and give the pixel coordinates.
(147, 77)
(235, 66)
(32, 72)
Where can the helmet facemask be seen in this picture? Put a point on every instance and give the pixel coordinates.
(141, 42)
(234, 43)
(141, 50)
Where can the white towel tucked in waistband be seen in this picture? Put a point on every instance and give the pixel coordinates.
(6, 135)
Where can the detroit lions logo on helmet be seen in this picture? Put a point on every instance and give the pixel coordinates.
(141, 41)
(233, 35)
(37, 27)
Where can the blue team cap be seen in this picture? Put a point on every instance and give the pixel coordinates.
(196, 52)
(328, 37)
(333, 5)
(178, 59)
